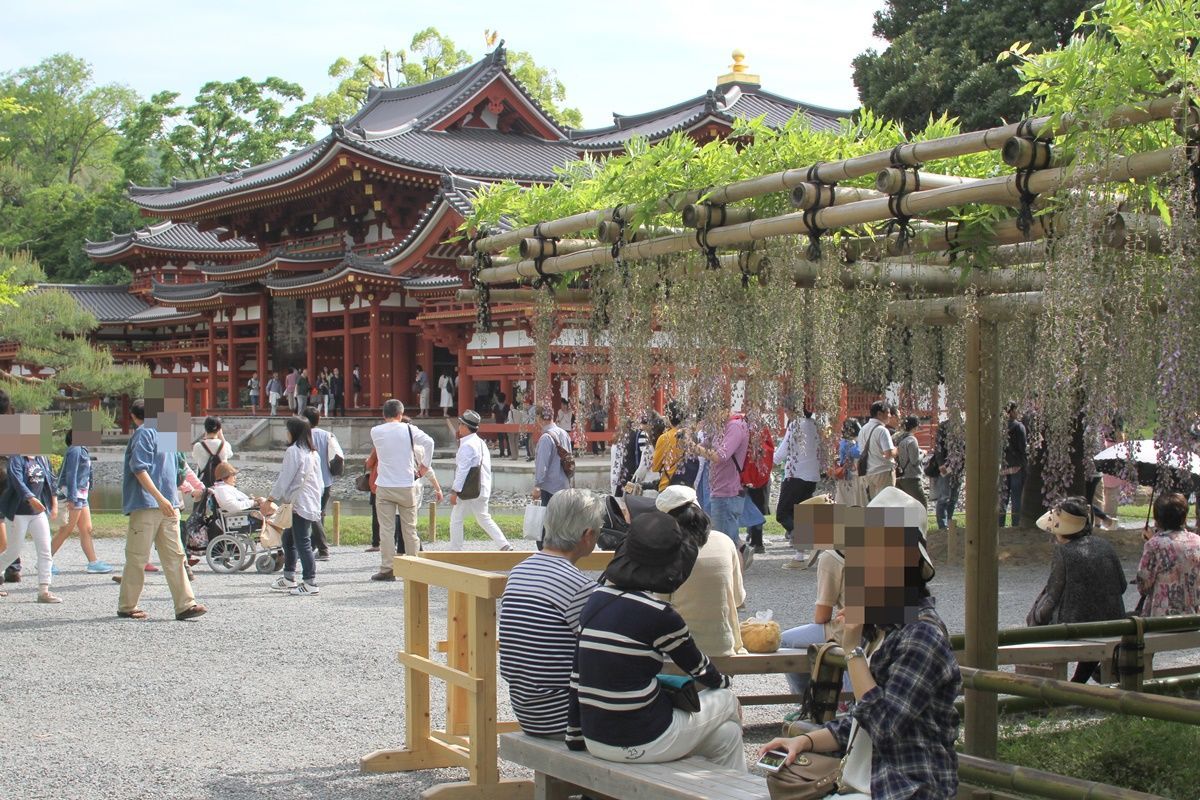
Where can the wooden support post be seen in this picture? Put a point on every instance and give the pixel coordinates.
(347, 357)
(952, 552)
(337, 522)
(982, 573)
(261, 359)
(1131, 662)
(231, 361)
(212, 360)
(432, 521)
(466, 380)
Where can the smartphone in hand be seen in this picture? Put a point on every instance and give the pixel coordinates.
(773, 760)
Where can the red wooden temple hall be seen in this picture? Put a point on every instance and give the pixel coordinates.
(344, 253)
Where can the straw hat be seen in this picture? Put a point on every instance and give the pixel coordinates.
(1061, 523)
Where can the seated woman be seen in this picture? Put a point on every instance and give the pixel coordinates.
(831, 601)
(1086, 582)
(1168, 574)
(709, 599)
(616, 706)
(232, 499)
(900, 734)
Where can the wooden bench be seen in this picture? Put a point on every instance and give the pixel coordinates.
(558, 773)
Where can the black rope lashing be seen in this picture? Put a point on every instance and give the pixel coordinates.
(710, 252)
(544, 279)
(900, 223)
(953, 250)
(744, 265)
(1025, 210)
(483, 291)
(809, 217)
(619, 245)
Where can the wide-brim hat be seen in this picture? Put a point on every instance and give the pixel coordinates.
(1061, 523)
(655, 556)
(916, 515)
(471, 419)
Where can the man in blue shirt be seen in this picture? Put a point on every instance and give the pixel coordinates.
(149, 494)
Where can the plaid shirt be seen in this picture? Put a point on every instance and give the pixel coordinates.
(910, 714)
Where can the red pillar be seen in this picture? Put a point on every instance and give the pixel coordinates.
(347, 353)
(375, 348)
(212, 361)
(231, 361)
(261, 358)
(310, 346)
(466, 381)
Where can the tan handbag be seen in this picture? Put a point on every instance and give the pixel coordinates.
(810, 776)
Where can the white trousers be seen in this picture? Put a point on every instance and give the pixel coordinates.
(714, 733)
(424, 399)
(477, 508)
(39, 526)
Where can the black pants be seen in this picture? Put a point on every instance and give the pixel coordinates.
(759, 497)
(339, 404)
(1085, 670)
(375, 529)
(502, 440)
(793, 491)
(319, 543)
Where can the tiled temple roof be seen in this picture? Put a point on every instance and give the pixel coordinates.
(106, 303)
(169, 237)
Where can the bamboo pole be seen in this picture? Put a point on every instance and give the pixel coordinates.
(1101, 698)
(893, 180)
(848, 169)
(1040, 784)
(1089, 630)
(951, 311)
(982, 572)
(337, 522)
(938, 238)
(541, 248)
(706, 215)
(1122, 227)
(992, 190)
(610, 232)
(810, 195)
(524, 295)
(1032, 252)
(468, 262)
(1020, 153)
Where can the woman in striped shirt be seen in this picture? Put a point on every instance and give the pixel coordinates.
(618, 710)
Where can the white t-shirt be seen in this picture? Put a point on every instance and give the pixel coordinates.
(877, 438)
(231, 498)
(394, 446)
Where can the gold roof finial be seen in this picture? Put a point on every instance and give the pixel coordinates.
(738, 72)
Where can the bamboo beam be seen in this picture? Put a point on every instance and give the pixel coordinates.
(543, 248)
(848, 169)
(992, 190)
(1089, 630)
(982, 771)
(953, 310)
(1005, 255)
(1020, 153)
(926, 277)
(468, 262)
(706, 215)
(1101, 698)
(937, 238)
(1121, 227)
(893, 180)
(525, 295)
(610, 231)
(811, 195)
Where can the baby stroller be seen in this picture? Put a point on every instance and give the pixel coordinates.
(228, 540)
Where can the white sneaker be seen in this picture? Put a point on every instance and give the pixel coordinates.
(305, 590)
(282, 584)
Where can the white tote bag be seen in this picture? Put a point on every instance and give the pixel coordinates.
(534, 515)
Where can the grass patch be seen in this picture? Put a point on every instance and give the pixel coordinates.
(1132, 752)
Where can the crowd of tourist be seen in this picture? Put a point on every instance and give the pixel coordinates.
(583, 658)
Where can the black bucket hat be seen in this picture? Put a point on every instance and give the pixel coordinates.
(654, 557)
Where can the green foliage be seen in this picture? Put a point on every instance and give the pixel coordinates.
(230, 125)
(940, 58)
(545, 87)
(51, 330)
(1130, 752)
(429, 56)
(70, 124)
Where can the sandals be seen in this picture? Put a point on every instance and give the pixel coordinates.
(3, 593)
(137, 613)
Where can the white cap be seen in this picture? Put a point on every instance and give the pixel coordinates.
(673, 497)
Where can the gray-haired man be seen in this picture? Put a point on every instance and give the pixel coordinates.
(539, 613)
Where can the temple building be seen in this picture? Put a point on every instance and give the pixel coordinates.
(345, 253)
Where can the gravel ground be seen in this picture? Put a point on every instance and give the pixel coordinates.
(268, 695)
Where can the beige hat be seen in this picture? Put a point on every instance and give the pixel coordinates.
(816, 500)
(673, 497)
(1061, 523)
(916, 515)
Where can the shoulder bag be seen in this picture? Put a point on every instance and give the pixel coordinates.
(810, 776)
(282, 518)
(682, 692)
(470, 488)
(566, 459)
(866, 452)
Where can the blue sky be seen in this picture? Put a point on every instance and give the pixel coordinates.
(616, 56)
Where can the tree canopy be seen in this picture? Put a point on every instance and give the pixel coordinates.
(431, 55)
(941, 57)
(51, 331)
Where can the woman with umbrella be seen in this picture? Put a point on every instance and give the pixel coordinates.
(1168, 575)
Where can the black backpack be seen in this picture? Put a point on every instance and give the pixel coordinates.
(208, 474)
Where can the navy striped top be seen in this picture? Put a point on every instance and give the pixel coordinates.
(538, 628)
(625, 639)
